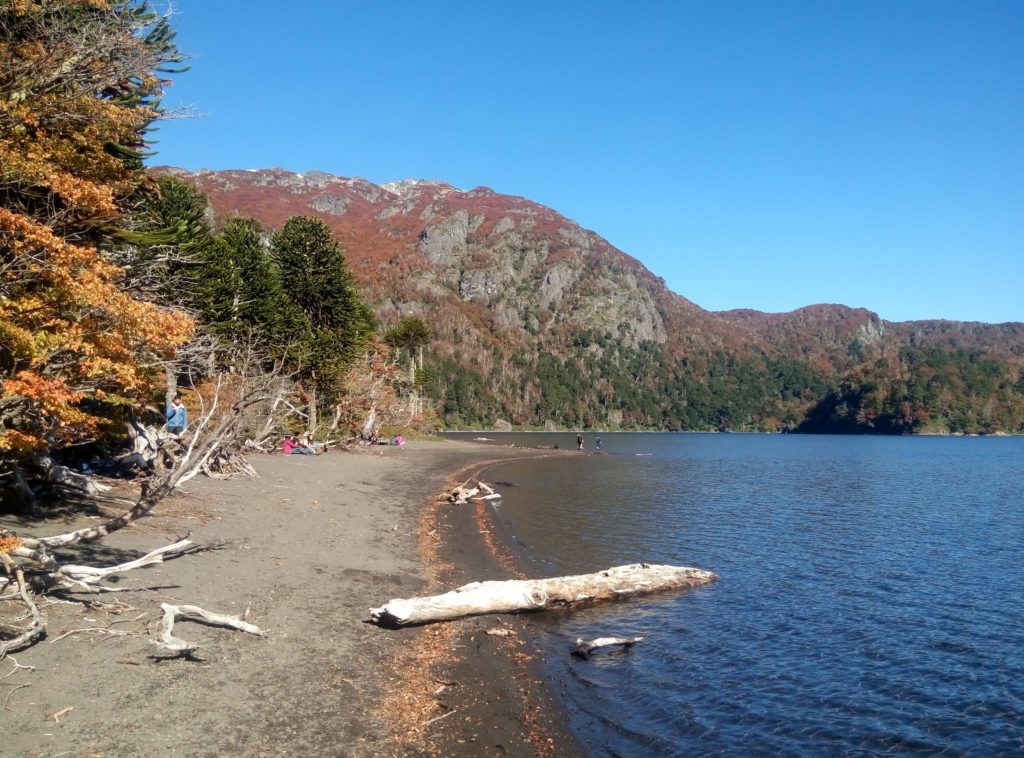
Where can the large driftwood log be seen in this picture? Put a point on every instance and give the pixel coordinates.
(537, 594)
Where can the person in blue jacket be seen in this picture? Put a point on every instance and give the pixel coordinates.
(177, 416)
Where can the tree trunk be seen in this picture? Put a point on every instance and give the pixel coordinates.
(172, 384)
(313, 395)
(269, 425)
(371, 420)
(538, 594)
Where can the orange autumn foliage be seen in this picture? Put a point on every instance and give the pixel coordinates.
(77, 90)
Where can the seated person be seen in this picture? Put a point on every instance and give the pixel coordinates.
(399, 440)
(134, 461)
(291, 446)
(307, 440)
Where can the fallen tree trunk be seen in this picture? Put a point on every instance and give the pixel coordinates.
(65, 478)
(538, 594)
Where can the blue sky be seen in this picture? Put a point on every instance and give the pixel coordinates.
(767, 155)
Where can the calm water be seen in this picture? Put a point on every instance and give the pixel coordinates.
(869, 601)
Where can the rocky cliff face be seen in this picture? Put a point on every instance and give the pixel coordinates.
(540, 320)
(513, 258)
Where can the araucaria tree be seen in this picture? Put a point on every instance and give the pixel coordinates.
(260, 302)
(80, 82)
(318, 281)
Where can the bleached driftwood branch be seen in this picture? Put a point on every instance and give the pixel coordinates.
(227, 464)
(536, 594)
(194, 613)
(91, 574)
(466, 492)
(37, 628)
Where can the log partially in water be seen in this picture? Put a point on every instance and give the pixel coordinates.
(537, 594)
(584, 648)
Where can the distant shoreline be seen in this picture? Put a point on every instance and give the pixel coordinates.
(726, 431)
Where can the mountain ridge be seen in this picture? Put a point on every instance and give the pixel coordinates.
(515, 290)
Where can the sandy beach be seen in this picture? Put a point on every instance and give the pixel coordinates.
(306, 550)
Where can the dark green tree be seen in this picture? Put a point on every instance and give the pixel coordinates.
(410, 334)
(171, 256)
(251, 300)
(317, 280)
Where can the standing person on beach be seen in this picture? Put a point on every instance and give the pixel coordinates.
(597, 443)
(579, 441)
(177, 416)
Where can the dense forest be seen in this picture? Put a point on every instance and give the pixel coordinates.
(932, 390)
(935, 391)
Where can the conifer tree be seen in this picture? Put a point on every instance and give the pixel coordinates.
(171, 255)
(253, 301)
(227, 280)
(409, 334)
(318, 281)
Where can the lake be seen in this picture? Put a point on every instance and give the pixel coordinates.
(869, 599)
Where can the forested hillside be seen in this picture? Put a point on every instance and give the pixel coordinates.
(116, 293)
(538, 322)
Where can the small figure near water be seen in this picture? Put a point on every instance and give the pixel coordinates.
(177, 416)
(597, 443)
(579, 441)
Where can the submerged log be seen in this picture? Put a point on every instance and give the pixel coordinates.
(583, 648)
(537, 594)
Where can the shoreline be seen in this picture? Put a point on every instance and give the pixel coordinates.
(306, 550)
(494, 687)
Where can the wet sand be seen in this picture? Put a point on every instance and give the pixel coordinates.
(307, 548)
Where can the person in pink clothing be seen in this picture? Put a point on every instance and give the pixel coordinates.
(290, 446)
